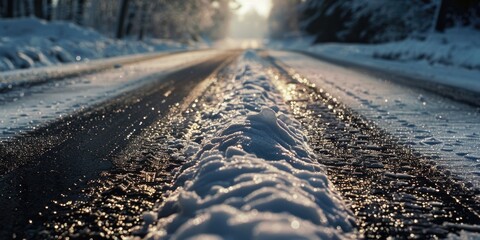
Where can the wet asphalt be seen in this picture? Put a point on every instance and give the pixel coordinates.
(62, 157)
(87, 164)
(392, 190)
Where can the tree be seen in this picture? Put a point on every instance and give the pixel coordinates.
(121, 18)
(49, 10)
(65, 10)
(79, 11)
(284, 18)
(221, 19)
(38, 8)
(457, 13)
(441, 15)
(9, 9)
(370, 21)
(143, 19)
(27, 7)
(132, 11)
(183, 20)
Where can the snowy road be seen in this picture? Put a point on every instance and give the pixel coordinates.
(46, 162)
(52, 92)
(394, 191)
(444, 130)
(241, 144)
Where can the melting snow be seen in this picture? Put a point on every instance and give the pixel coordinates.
(253, 176)
(443, 129)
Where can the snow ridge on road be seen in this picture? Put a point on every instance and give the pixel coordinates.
(253, 176)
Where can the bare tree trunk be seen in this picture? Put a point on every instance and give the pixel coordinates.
(27, 8)
(121, 18)
(143, 20)
(441, 16)
(65, 10)
(18, 11)
(38, 8)
(9, 10)
(132, 11)
(79, 12)
(59, 10)
(49, 9)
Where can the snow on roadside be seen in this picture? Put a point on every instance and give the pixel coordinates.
(30, 42)
(451, 58)
(253, 176)
(457, 47)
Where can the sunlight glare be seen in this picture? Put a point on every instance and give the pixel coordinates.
(262, 7)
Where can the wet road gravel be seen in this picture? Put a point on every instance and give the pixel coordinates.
(393, 191)
(112, 206)
(59, 161)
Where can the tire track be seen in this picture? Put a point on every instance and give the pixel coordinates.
(66, 154)
(393, 191)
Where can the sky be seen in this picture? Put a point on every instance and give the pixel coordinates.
(248, 26)
(261, 6)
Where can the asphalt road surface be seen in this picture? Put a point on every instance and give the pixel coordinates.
(74, 163)
(43, 165)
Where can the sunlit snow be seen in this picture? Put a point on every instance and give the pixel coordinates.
(253, 176)
(443, 129)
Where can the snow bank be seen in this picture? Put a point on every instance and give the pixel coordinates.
(253, 176)
(451, 58)
(458, 47)
(29, 42)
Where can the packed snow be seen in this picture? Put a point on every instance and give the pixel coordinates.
(25, 109)
(458, 47)
(253, 176)
(30, 42)
(445, 130)
(451, 58)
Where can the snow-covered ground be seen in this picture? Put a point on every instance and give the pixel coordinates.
(446, 130)
(27, 108)
(451, 58)
(30, 42)
(253, 176)
(457, 47)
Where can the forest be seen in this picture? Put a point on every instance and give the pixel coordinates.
(181, 20)
(351, 21)
(373, 21)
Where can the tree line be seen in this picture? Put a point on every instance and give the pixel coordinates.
(370, 21)
(185, 20)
